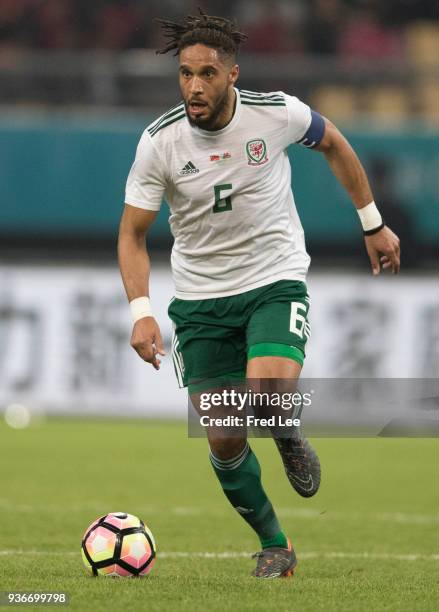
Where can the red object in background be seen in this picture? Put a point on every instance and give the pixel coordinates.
(54, 20)
(265, 37)
(117, 24)
(364, 36)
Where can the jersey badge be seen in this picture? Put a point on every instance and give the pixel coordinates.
(256, 152)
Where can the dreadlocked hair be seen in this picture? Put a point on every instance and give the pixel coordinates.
(211, 31)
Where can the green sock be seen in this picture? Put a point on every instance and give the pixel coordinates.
(240, 479)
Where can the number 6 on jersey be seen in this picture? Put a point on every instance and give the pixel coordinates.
(222, 203)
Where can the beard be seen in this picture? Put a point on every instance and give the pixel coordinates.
(209, 122)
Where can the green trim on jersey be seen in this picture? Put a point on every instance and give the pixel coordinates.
(258, 95)
(171, 111)
(253, 103)
(175, 113)
(253, 98)
(168, 122)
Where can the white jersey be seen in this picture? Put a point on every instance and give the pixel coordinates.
(233, 216)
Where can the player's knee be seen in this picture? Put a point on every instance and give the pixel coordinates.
(226, 448)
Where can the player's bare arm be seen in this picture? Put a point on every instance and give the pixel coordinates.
(382, 246)
(134, 266)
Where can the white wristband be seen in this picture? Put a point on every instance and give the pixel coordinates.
(140, 308)
(370, 217)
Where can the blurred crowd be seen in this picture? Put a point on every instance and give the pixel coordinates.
(362, 28)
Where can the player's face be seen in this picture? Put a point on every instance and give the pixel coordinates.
(206, 82)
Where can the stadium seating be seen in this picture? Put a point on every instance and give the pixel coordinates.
(423, 43)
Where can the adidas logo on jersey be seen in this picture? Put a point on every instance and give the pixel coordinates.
(189, 169)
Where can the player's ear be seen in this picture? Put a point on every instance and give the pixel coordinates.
(234, 74)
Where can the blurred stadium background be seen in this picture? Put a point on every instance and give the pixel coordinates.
(80, 80)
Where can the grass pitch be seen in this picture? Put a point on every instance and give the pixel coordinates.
(368, 541)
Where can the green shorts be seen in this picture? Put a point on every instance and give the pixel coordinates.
(217, 336)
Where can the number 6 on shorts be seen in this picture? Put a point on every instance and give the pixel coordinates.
(298, 323)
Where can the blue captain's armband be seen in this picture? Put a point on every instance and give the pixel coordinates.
(315, 132)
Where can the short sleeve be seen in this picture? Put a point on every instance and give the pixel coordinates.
(299, 118)
(146, 181)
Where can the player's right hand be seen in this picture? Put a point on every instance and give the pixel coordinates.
(147, 341)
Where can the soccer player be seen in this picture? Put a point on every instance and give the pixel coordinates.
(239, 261)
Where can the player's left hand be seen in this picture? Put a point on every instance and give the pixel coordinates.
(383, 250)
